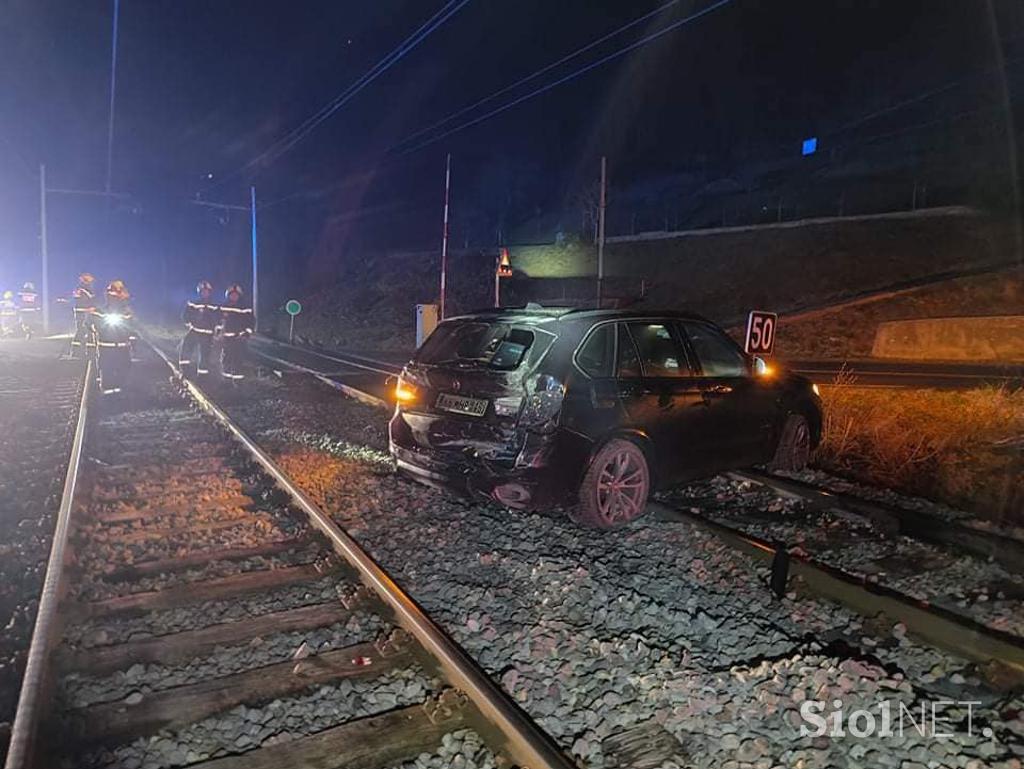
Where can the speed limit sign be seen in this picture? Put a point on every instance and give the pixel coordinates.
(761, 327)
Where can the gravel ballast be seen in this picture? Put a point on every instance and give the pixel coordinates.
(976, 588)
(595, 633)
(82, 690)
(245, 728)
(38, 403)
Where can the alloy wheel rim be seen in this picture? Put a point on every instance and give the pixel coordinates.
(621, 487)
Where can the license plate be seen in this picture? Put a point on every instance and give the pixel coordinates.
(460, 404)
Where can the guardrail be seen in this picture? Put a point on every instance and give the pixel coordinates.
(525, 742)
(34, 682)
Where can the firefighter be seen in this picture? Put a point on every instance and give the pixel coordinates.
(113, 331)
(8, 314)
(84, 295)
(236, 327)
(200, 316)
(29, 309)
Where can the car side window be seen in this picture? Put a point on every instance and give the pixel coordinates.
(660, 354)
(718, 355)
(627, 364)
(597, 355)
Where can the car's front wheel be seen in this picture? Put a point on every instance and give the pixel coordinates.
(794, 449)
(615, 488)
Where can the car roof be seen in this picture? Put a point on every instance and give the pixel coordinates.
(535, 314)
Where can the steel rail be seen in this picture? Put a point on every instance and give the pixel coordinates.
(527, 744)
(935, 625)
(1005, 550)
(352, 392)
(33, 683)
(358, 361)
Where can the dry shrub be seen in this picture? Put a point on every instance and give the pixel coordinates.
(933, 442)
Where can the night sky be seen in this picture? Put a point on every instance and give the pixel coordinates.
(205, 87)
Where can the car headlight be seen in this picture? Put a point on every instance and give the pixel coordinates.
(815, 390)
(113, 319)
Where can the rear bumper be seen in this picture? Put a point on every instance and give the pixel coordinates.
(545, 472)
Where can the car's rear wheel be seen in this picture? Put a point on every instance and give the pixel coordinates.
(615, 488)
(794, 449)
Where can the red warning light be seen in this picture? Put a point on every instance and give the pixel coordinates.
(504, 265)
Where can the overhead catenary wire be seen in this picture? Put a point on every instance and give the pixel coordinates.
(547, 68)
(903, 103)
(949, 85)
(543, 70)
(436, 21)
(647, 39)
(297, 134)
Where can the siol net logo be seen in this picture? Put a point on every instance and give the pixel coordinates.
(888, 718)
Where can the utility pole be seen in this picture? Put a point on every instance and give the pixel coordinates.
(444, 237)
(255, 262)
(43, 249)
(113, 91)
(600, 229)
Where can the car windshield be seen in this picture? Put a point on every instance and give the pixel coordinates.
(473, 343)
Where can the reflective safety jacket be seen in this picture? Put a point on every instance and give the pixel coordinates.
(85, 300)
(28, 301)
(8, 309)
(114, 324)
(200, 316)
(236, 321)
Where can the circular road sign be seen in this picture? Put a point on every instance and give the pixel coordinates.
(293, 307)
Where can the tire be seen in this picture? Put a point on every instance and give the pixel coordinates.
(794, 449)
(615, 488)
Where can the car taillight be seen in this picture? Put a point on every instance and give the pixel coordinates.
(543, 402)
(406, 392)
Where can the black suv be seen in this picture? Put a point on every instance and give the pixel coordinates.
(539, 407)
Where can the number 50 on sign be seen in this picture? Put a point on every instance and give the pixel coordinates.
(761, 327)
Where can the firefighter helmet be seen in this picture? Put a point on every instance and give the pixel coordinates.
(29, 286)
(234, 288)
(8, 295)
(86, 278)
(117, 289)
(204, 285)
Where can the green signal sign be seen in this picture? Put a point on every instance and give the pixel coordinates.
(293, 307)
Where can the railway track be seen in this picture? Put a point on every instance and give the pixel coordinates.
(955, 587)
(200, 610)
(39, 399)
(959, 592)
